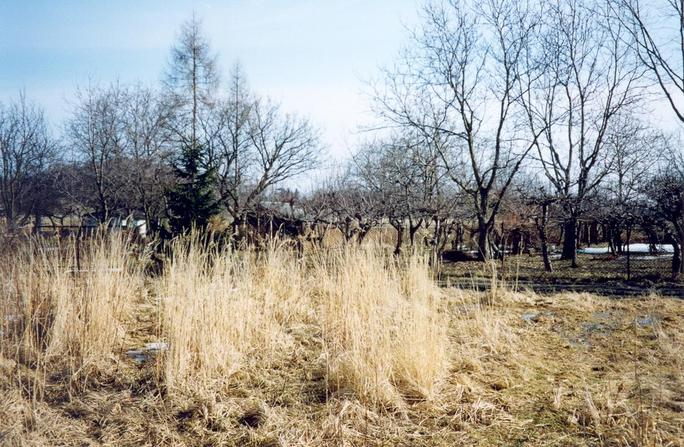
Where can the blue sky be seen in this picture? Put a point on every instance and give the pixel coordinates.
(313, 56)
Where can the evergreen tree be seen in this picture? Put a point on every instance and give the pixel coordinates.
(191, 81)
(192, 202)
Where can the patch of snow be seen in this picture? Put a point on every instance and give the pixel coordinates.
(157, 346)
(147, 352)
(633, 248)
(645, 320)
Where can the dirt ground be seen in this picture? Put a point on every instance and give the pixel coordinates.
(592, 269)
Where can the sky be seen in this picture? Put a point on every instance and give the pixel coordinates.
(314, 56)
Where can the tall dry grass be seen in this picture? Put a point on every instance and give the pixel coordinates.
(250, 332)
(67, 301)
(220, 306)
(384, 337)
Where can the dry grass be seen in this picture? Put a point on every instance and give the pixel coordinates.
(223, 311)
(384, 336)
(346, 346)
(66, 304)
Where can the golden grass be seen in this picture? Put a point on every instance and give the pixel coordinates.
(219, 307)
(67, 303)
(347, 346)
(384, 335)
(382, 330)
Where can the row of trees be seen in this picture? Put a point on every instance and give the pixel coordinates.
(545, 99)
(179, 153)
(530, 109)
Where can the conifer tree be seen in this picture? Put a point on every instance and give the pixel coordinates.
(191, 81)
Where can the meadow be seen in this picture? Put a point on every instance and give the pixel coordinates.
(102, 343)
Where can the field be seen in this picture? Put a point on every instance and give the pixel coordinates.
(598, 273)
(350, 346)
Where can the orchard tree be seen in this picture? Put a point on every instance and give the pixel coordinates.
(460, 85)
(405, 175)
(590, 77)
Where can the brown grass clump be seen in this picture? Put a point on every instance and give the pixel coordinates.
(223, 311)
(68, 303)
(384, 335)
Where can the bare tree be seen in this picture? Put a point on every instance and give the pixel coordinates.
(664, 200)
(95, 132)
(589, 79)
(26, 151)
(149, 153)
(634, 148)
(285, 146)
(230, 146)
(405, 175)
(190, 84)
(460, 85)
(656, 29)
(254, 147)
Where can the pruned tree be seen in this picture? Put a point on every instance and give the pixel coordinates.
(405, 175)
(665, 204)
(634, 147)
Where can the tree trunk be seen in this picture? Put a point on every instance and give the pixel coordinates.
(413, 229)
(483, 231)
(617, 240)
(677, 264)
(400, 239)
(593, 233)
(570, 241)
(541, 228)
(10, 219)
(629, 258)
(37, 222)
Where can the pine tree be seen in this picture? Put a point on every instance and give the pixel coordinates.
(192, 202)
(191, 81)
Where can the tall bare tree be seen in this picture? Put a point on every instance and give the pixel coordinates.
(95, 133)
(230, 146)
(254, 146)
(656, 29)
(590, 77)
(149, 153)
(460, 85)
(191, 83)
(26, 151)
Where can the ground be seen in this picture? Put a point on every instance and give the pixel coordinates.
(524, 369)
(598, 270)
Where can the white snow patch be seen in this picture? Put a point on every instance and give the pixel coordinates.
(633, 248)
